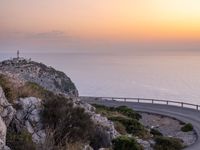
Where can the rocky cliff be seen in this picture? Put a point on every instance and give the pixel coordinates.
(39, 108)
(47, 77)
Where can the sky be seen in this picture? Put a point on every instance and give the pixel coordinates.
(100, 26)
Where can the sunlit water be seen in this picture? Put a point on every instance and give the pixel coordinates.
(160, 77)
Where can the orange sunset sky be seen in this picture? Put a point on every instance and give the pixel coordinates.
(74, 24)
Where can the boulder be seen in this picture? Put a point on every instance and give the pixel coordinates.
(3, 130)
(106, 124)
(6, 115)
(6, 110)
(146, 144)
(28, 117)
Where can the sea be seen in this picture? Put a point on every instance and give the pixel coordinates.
(102, 74)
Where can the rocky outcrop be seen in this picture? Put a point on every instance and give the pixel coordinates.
(107, 125)
(28, 117)
(6, 115)
(47, 77)
(6, 110)
(27, 114)
(3, 129)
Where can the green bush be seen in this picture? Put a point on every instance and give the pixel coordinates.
(120, 127)
(132, 126)
(19, 140)
(187, 127)
(123, 110)
(167, 143)
(155, 132)
(68, 123)
(125, 143)
(125, 119)
(128, 112)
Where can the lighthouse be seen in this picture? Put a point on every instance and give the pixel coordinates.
(18, 54)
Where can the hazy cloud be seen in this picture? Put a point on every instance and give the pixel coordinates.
(48, 35)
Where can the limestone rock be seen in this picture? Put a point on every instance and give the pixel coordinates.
(100, 120)
(6, 110)
(87, 147)
(28, 116)
(3, 130)
(147, 145)
(6, 115)
(3, 146)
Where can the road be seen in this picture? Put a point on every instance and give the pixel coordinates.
(183, 114)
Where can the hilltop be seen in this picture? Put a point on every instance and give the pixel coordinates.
(47, 77)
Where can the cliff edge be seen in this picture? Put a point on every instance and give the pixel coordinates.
(47, 77)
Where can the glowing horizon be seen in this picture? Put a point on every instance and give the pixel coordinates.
(114, 20)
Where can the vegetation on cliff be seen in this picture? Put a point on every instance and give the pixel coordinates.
(68, 124)
(13, 92)
(168, 143)
(126, 143)
(125, 120)
(127, 123)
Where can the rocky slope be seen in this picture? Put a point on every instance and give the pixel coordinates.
(21, 118)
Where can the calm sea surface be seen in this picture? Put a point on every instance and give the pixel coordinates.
(161, 77)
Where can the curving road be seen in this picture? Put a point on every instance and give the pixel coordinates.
(183, 114)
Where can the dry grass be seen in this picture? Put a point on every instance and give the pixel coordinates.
(13, 92)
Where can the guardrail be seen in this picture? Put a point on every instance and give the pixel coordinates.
(145, 100)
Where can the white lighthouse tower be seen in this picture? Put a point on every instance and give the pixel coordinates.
(17, 54)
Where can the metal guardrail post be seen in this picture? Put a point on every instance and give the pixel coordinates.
(152, 101)
(138, 100)
(181, 104)
(167, 102)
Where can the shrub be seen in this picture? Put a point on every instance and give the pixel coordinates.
(8, 88)
(167, 143)
(132, 125)
(128, 112)
(20, 140)
(125, 119)
(69, 124)
(187, 127)
(32, 89)
(120, 127)
(100, 138)
(27, 90)
(123, 110)
(125, 143)
(155, 132)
